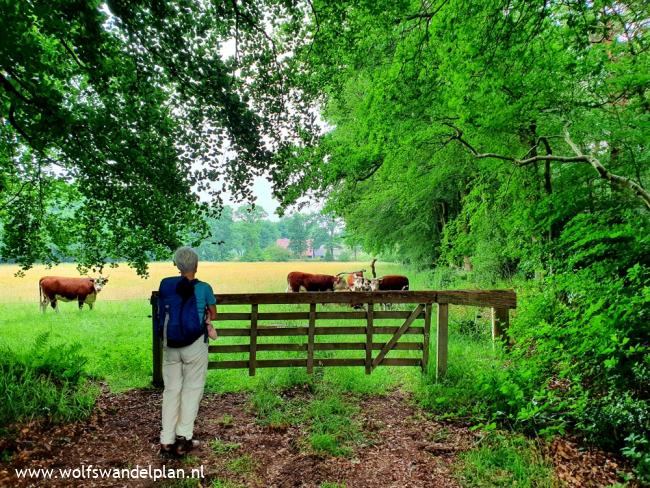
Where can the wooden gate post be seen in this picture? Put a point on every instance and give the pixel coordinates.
(427, 335)
(441, 342)
(310, 338)
(500, 323)
(369, 333)
(156, 344)
(252, 359)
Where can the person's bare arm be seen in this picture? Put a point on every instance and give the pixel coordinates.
(212, 312)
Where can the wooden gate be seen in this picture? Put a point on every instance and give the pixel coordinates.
(415, 322)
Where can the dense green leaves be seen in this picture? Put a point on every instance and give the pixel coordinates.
(135, 113)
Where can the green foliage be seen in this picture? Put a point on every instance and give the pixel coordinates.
(45, 382)
(504, 460)
(276, 253)
(123, 124)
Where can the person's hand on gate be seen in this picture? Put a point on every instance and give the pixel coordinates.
(212, 332)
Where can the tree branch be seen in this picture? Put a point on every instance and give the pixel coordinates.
(519, 162)
(620, 181)
(11, 88)
(71, 52)
(616, 180)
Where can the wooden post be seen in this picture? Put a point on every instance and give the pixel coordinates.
(156, 344)
(500, 322)
(441, 342)
(369, 333)
(310, 338)
(426, 338)
(252, 360)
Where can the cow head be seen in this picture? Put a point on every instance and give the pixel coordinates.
(374, 284)
(361, 284)
(98, 283)
(340, 283)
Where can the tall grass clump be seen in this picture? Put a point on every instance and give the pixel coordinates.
(44, 382)
(505, 460)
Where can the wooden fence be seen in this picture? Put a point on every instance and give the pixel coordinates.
(500, 301)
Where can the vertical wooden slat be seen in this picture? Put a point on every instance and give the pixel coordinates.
(310, 338)
(441, 342)
(156, 344)
(500, 322)
(426, 338)
(369, 333)
(252, 360)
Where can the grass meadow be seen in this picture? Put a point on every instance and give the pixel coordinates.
(116, 336)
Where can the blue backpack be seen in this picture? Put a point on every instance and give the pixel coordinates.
(178, 313)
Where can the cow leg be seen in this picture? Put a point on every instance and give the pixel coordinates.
(44, 303)
(81, 302)
(55, 305)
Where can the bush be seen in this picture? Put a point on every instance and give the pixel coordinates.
(276, 253)
(581, 358)
(45, 382)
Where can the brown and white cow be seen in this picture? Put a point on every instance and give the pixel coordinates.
(314, 282)
(83, 290)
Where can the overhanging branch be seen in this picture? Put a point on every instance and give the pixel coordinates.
(621, 182)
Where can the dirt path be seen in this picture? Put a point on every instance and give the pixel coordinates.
(402, 447)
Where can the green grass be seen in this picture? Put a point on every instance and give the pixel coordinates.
(505, 460)
(220, 447)
(226, 420)
(242, 465)
(224, 483)
(116, 340)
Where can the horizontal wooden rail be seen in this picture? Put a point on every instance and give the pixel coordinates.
(277, 363)
(479, 298)
(318, 346)
(392, 314)
(302, 331)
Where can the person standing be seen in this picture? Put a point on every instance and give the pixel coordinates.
(185, 311)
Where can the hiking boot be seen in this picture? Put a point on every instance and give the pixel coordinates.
(182, 445)
(166, 448)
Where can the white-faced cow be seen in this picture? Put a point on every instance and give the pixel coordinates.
(389, 283)
(314, 282)
(83, 290)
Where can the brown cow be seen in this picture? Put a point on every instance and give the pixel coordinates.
(390, 283)
(314, 282)
(54, 288)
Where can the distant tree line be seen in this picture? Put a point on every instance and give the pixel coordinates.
(245, 233)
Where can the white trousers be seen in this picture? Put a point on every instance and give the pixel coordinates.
(184, 370)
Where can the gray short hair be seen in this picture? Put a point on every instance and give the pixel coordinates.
(186, 260)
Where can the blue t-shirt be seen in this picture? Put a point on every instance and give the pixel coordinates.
(204, 297)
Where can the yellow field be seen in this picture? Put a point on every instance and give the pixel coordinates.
(124, 284)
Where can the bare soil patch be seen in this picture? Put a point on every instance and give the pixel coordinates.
(402, 448)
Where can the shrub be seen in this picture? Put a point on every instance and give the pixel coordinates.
(45, 382)
(276, 253)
